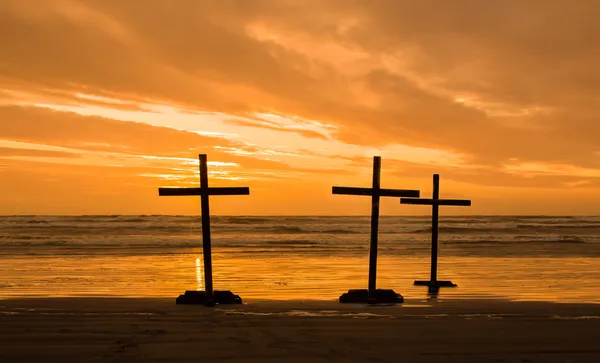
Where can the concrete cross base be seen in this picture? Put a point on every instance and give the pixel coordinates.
(432, 283)
(192, 297)
(379, 297)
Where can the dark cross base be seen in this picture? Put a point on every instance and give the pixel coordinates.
(379, 296)
(193, 297)
(208, 297)
(372, 295)
(434, 284)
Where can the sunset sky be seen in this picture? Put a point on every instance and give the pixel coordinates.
(104, 101)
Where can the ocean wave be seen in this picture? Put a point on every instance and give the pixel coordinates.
(285, 229)
(64, 248)
(96, 229)
(133, 220)
(337, 231)
(294, 243)
(514, 243)
(27, 238)
(454, 220)
(300, 230)
(98, 245)
(128, 228)
(464, 230)
(37, 221)
(509, 228)
(558, 226)
(243, 220)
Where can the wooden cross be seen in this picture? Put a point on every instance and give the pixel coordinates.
(435, 203)
(207, 297)
(375, 192)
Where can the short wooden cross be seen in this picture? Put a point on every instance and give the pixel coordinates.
(435, 203)
(373, 295)
(208, 297)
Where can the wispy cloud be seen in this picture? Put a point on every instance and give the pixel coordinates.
(271, 126)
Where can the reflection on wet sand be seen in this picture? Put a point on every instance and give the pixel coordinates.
(299, 277)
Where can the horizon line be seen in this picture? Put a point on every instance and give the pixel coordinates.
(296, 215)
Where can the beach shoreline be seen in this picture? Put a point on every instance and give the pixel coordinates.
(420, 330)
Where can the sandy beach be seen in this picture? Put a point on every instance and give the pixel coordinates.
(153, 330)
(79, 289)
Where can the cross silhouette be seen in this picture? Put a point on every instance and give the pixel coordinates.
(209, 297)
(435, 203)
(373, 295)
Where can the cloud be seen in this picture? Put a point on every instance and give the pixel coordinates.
(66, 129)
(270, 126)
(43, 135)
(492, 82)
(12, 152)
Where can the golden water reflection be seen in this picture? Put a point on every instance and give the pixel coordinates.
(294, 277)
(199, 284)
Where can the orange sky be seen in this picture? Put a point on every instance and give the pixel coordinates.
(102, 102)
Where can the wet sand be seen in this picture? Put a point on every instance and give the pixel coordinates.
(157, 330)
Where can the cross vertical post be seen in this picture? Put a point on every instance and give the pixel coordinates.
(372, 294)
(435, 203)
(209, 296)
(374, 224)
(435, 213)
(205, 213)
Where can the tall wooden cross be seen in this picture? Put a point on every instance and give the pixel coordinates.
(373, 295)
(208, 297)
(435, 203)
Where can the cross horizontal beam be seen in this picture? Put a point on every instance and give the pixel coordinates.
(379, 192)
(204, 191)
(451, 202)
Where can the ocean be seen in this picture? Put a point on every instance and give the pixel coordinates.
(285, 258)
